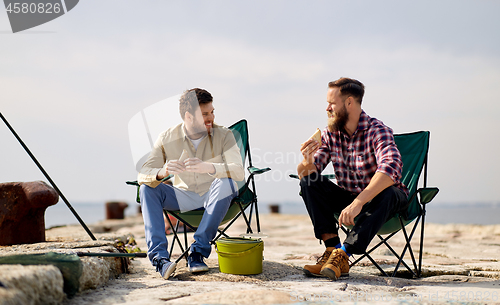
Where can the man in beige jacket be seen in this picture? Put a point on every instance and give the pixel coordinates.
(203, 159)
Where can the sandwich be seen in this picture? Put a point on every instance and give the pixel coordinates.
(183, 156)
(317, 136)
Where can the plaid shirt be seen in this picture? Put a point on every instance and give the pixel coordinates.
(356, 159)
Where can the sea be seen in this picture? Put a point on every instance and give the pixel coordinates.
(481, 213)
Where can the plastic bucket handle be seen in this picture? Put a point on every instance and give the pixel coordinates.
(239, 253)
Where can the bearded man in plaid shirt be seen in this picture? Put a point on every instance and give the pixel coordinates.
(367, 167)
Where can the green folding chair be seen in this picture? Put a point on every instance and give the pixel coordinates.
(414, 148)
(246, 199)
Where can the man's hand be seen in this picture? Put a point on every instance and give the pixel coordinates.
(195, 165)
(350, 212)
(308, 149)
(173, 167)
(379, 182)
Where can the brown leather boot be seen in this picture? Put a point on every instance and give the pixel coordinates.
(337, 265)
(314, 270)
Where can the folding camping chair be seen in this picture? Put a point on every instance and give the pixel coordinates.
(414, 148)
(247, 198)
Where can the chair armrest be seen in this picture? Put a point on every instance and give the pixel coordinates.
(329, 176)
(427, 194)
(137, 183)
(166, 178)
(254, 170)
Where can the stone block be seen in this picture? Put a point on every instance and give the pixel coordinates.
(22, 211)
(69, 266)
(31, 285)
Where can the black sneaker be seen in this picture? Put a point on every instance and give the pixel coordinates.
(195, 262)
(164, 267)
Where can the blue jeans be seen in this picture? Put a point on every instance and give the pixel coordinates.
(216, 202)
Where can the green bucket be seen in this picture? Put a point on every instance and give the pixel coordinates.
(240, 255)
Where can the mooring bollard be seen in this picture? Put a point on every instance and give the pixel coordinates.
(275, 208)
(22, 211)
(115, 209)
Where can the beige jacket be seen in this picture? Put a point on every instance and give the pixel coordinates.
(173, 141)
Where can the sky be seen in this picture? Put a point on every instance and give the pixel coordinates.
(71, 86)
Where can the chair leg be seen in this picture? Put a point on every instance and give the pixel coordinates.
(418, 270)
(185, 241)
(367, 254)
(377, 265)
(372, 249)
(250, 214)
(185, 248)
(184, 254)
(175, 237)
(384, 241)
(407, 246)
(257, 216)
(221, 232)
(249, 228)
(409, 243)
(420, 254)
(395, 254)
(256, 207)
(247, 222)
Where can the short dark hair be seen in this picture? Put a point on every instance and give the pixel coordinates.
(192, 98)
(349, 86)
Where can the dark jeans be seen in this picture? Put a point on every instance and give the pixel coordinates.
(324, 198)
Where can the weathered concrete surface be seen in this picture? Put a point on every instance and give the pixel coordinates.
(451, 268)
(97, 271)
(30, 285)
(244, 297)
(22, 211)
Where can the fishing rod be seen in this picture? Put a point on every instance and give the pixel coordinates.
(137, 254)
(48, 178)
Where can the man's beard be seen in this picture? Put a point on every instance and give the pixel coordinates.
(201, 131)
(198, 130)
(338, 121)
